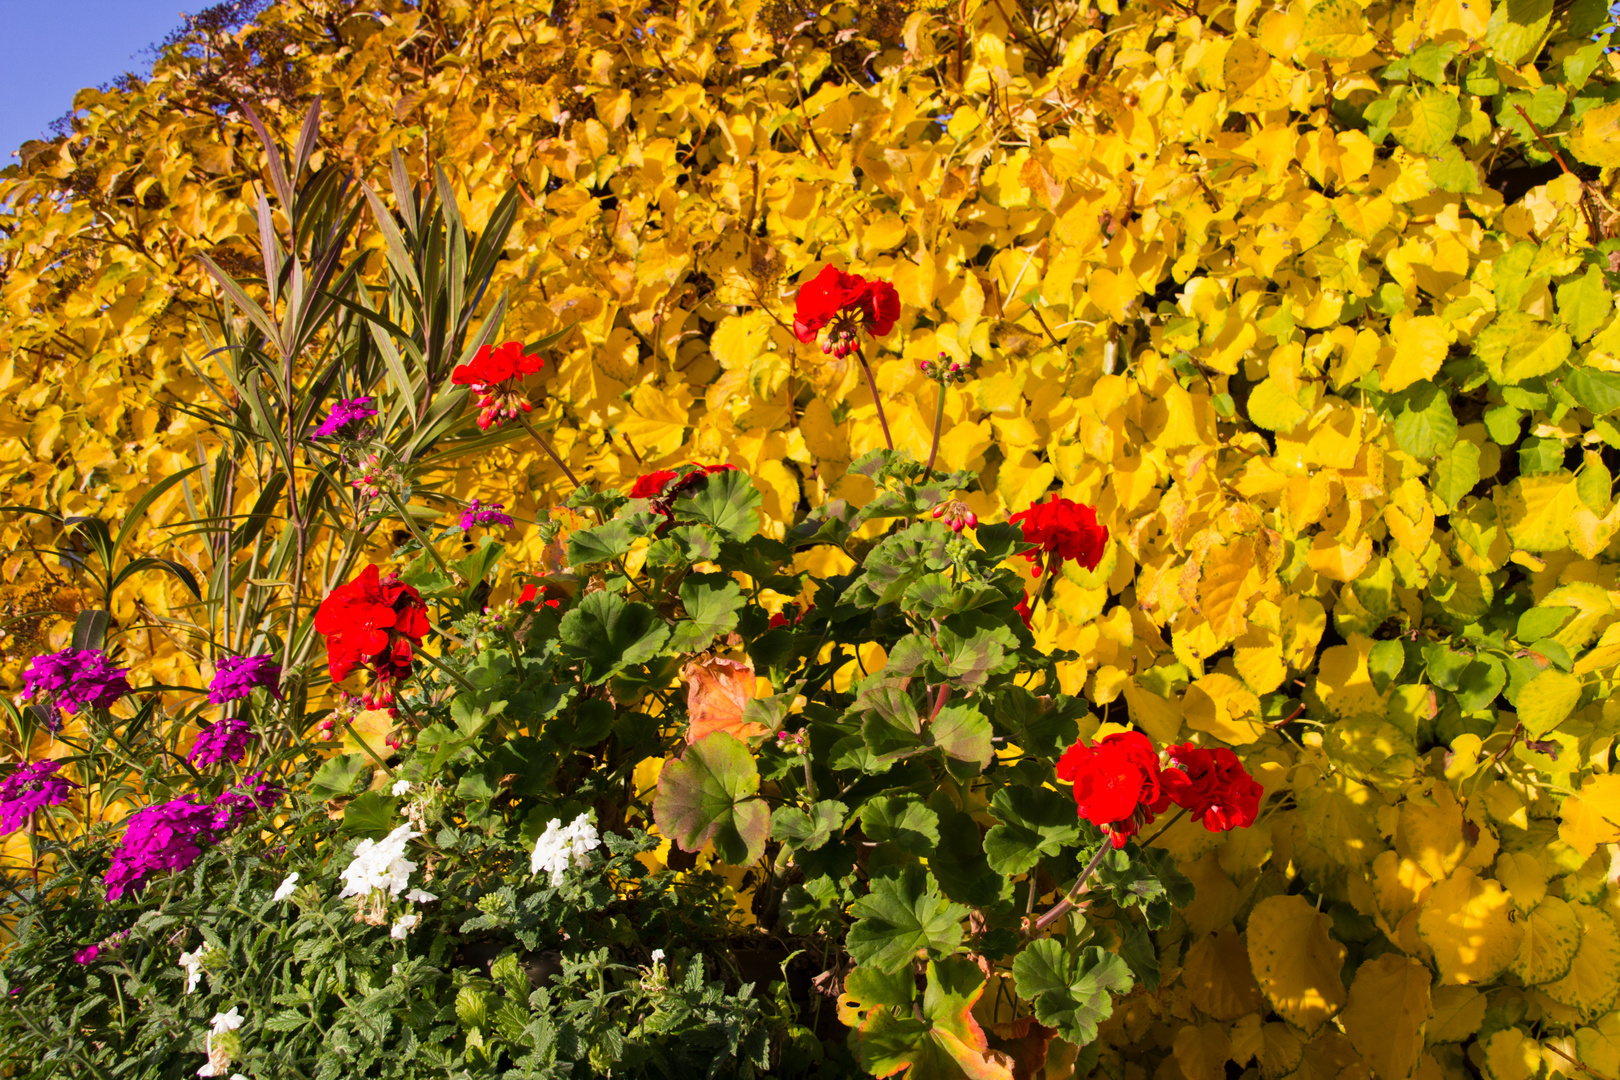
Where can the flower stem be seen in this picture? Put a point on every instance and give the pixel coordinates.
(456, 675)
(432, 552)
(1166, 827)
(1062, 907)
(544, 445)
(876, 398)
(939, 420)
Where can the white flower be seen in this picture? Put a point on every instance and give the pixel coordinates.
(285, 889)
(224, 1022)
(402, 787)
(192, 962)
(658, 956)
(380, 864)
(559, 848)
(417, 896)
(404, 925)
(222, 1044)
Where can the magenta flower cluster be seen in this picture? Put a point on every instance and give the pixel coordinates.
(75, 679)
(169, 837)
(480, 514)
(225, 741)
(237, 676)
(345, 414)
(31, 787)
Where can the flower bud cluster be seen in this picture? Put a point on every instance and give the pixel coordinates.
(955, 514)
(944, 370)
(498, 403)
(378, 477)
(842, 340)
(793, 742)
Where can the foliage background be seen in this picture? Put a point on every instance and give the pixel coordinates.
(1314, 302)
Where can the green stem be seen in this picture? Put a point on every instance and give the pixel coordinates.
(877, 399)
(939, 420)
(416, 534)
(1062, 907)
(523, 419)
(456, 675)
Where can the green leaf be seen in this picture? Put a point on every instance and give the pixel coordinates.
(1273, 408)
(1427, 121)
(803, 831)
(337, 776)
(959, 862)
(610, 540)
(1454, 171)
(1424, 424)
(1445, 665)
(424, 575)
(1516, 29)
(815, 905)
(709, 793)
(1455, 473)
(975, 648)
(607, 635)
(1480, 682)
(1137, 950)
(371, 813)
(1546, 701)
(902, 820)
(712, 602)
(1071, 993)
(477, 563)
(1502, 424)
(1595, 485)
(901, 918)
(941, 1041)
(1597, 391)
(1384, 663)
(1540, 622)
(1585, 304)
(1042, 726)
(726, 501)
(1031, 822)
(963, 733)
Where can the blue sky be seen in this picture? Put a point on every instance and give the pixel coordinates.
(50, 49)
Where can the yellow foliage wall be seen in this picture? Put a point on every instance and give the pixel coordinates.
(1191, 293)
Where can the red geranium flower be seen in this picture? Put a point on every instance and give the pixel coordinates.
(533, 592)
(1213, 785)
(658, 487)
(1065, 528)
(1118, 785)
(849, 302)
(493, 375)
(372, 622)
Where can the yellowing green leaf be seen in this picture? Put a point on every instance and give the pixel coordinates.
(1388, 1006)
(1552, 934)
(1295, 961)
(1547, 700)
(1594, 974)
(1469, 925)
(1596, 138)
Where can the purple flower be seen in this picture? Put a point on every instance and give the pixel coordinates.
(344, 413)
(29, 788)
(86, 954)
(479, 514)
(236, 676)
(161, 838)
(237, 805)
(225, 741)
(75, 679)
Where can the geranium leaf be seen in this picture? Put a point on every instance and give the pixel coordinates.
(607, 634)
(902, 820)
(726, 501)
(709, 793)
(901, 918)
(1070, 992)
(1031, 822)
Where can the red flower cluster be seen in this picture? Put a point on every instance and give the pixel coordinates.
(1117, 785)
(1120, 786)
(1213, 785)
(493, 375)
(848, 301)
(533, 592)
(372, 622)
(1063, 528)
(662, 486)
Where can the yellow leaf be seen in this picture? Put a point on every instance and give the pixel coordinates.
(1431, 833)
(1295, 961)
(1596, 138)
(1521, 874)
(1591, 983)
(1388, 1007)
(1512, 1055)
(1225, 708)
(1466, 921)
(1217, 977)
(1547, 700)
(1202, 1051)
(1530, 509)
(1339, 562)
(1591, 816)
(1344, 683)
(1159, 718)
(1598, 1046)
(1552, 934)
(1458, 1012)
(1420, 346)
